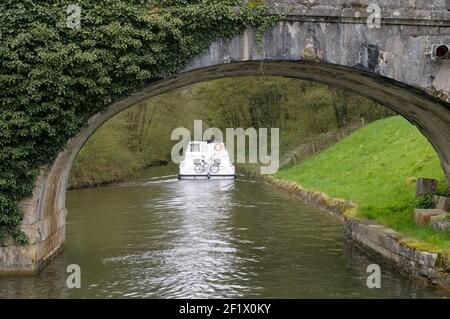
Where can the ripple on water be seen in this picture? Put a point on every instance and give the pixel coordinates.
(165, 238)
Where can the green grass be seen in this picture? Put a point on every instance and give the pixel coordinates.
(376, 168)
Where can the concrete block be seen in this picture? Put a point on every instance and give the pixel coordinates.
(441, 225)
(423, 216)
(442, 202)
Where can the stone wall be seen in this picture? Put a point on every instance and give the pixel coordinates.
(46, 233)
(405, 253)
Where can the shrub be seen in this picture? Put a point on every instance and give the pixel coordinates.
(424, 201)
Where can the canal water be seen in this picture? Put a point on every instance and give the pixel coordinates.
(165, 238)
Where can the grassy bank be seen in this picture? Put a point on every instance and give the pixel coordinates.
(376, 168)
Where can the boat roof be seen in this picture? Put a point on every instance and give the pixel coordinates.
(205, 142)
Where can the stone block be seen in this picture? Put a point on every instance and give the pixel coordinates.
(426, 186)
(441, 225)
(423, 216)
(442, 202)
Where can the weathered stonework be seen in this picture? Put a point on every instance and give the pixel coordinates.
(440, 225)
(46, 233)
(326, 41)
(424, 216)
(442, 202)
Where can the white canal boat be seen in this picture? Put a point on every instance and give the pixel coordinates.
(206, 160)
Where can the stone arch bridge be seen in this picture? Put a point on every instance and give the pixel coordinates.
(326, 41)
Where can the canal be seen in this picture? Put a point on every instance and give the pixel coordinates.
(164, 238)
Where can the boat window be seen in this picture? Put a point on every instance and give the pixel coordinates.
(195, 147)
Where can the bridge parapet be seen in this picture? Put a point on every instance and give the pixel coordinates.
(423, 13)
(412, 4)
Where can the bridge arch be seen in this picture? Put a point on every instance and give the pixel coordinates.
(391, 66)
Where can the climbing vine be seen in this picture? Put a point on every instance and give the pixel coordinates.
(53, 78)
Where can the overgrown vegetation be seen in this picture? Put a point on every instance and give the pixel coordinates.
(310, 117)
(53, 77)
(134, 140)
(424, 201)
(376, 168)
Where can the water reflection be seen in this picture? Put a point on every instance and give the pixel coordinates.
(199, 254)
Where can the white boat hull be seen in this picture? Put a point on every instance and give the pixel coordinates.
(206, 161)
(197, 176)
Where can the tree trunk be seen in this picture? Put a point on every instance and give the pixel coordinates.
(426, 186)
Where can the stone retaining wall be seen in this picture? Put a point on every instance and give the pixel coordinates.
(406, 253)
